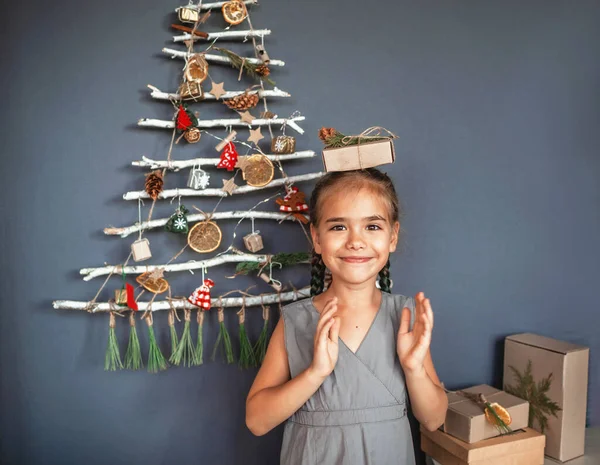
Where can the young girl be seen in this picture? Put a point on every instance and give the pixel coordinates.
(339, 365)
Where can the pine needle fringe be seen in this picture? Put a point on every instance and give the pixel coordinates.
(223, 341)
(112, 359)
(199, 340)
(156, 360)
(186, 352)
(247, 358)
(133, 356)
(260, 349)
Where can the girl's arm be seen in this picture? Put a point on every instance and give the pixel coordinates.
(274, 397)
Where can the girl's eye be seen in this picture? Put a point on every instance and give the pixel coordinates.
(337, 227)
(375, 226)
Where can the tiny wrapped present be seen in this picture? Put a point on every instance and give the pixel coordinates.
(345, 153)
(470, 421)
(522, 447)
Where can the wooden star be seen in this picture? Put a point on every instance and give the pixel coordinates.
(217, 90)
(246, 117)
(156, 274)
(255, 136)
(229, 186)
(242, 163)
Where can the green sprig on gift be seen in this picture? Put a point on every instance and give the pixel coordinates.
(249, 68)
(332, 138)
(540, 405)
(285, 259)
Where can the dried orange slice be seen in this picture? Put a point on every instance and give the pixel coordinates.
(234, 12)
(196, 68)
(204, 237)
(258, 170)
(154, 285)
(500, 411)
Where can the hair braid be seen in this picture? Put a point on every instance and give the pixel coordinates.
(384, 278)
(317, 274)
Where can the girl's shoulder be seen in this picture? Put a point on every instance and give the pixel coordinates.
(299, 311)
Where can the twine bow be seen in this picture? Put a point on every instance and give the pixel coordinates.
(371, 134)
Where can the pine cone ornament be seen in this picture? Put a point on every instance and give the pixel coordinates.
(326, 133)
(263, 70)
(154, 184)
(243, 101)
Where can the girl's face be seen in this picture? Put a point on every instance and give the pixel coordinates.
(354, 235)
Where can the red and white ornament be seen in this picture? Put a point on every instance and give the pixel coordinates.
(292, 202)
(229, 157)
(201, 296)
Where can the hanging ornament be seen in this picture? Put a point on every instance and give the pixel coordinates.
(274, 283)
(229, 157)
(243, 101)
(112, 359)
(185, 118)
(295, 203)
(247, 358)
(201, 296)
(198, 178)
(223, 339)
(253, 241)
(131, 303)
(196, 68)
(234, 12)
(204, 237)
(187, 14)
(192, 135)
(255, 136)
(260, 349)
(262, 54)
(283, 144)
(217, 90)
(229, 138)
(178, 222)
(141, 250)
(191, 90)
(259, 170)
(156, 359)
(133, 356)
(121, 296)
(246, 117)
(186, 352)
(154, 184)
(229, 185)
(199, 339)
(153, 281)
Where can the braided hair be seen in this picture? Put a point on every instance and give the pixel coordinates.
(374, 179)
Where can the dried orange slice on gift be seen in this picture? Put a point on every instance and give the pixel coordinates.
(151, 283)
(204, 237)
(258, 170)
(500, 411)
(234, 12)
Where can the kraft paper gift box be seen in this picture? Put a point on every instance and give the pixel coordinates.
(355, 157)
(565, 366)
(522, 447)
(466, 420)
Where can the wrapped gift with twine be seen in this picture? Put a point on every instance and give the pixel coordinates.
(483, 412)
(366, 150)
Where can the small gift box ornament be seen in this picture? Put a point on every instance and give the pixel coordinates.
(191, 90)
(121, 296)
(201, 296)
(345, 153)
(283, 144)
(141, 250)
(253, 241)
(198, 178)
(178, 222)
(188, 15)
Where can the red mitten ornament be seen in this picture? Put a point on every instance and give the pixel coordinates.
(185, 118)
(201, 296)
(229, 157)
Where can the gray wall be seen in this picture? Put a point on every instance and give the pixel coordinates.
(497, 106)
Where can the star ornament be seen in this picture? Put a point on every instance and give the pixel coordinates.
(229, 186)
(255, 136)
(246, 117)
(217, 90)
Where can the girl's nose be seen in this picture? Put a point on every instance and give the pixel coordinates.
(355, 241)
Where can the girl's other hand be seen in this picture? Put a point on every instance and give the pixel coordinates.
(412, 346)
(326, 341)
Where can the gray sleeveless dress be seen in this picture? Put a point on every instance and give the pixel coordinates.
(359, 414)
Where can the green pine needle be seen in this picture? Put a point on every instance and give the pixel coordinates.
(133, 356)
(200, 346)
(260, 349)
(174, 339)
(156, 360)
(186, 352)
(112, 359)
(502, 427)
(223, 341)
(247, 358)
(285, 259)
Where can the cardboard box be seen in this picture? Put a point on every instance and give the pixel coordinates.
(353, 157)
(567, 364)
(523, 447)
(466, 420)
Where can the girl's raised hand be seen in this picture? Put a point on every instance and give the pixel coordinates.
(326, 341)
(412, 346)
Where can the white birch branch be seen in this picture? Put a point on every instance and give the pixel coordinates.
(214, 6)
(159, 95)
(218, 58)
(203, 124)
(225, 35)
(172, 193)
(146, 162)
(267, 299)
(126, 231)
(91, 273)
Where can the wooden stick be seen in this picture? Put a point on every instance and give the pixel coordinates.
(189, 30)
(146, 162)
(126, 231)
(213, 6)
(91, 273)
(225, 123)
(219, 58)
(159, 95)
(226, 35)
(173, 193)
(177, 304)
